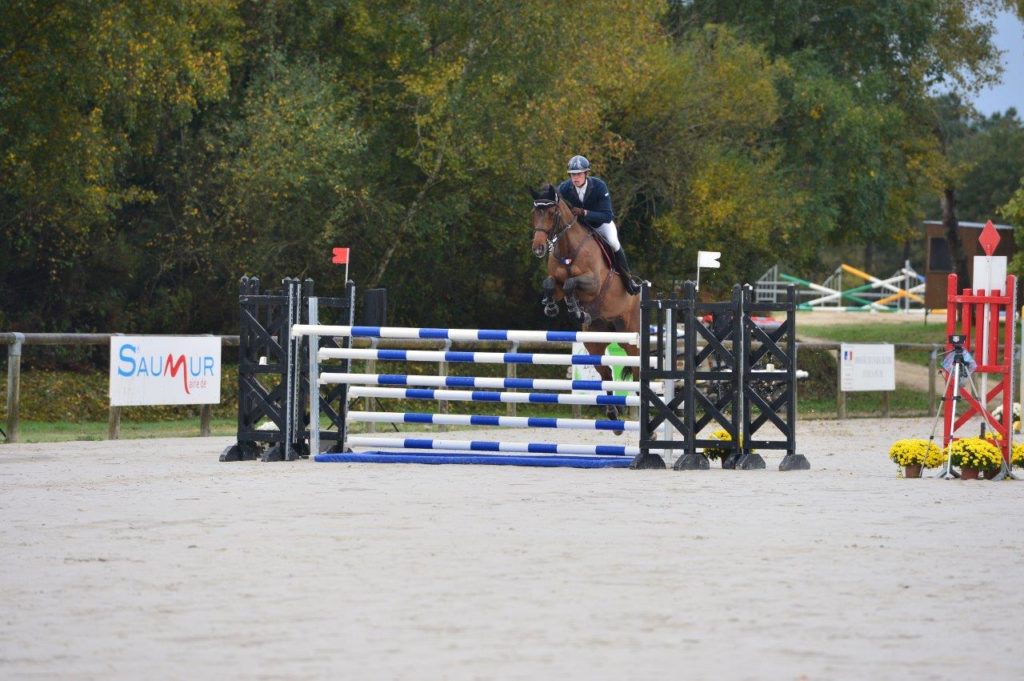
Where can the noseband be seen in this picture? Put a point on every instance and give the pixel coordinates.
(558, 229)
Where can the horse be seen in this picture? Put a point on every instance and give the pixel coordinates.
(580, 274)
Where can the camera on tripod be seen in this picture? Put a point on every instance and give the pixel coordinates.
(959, 355)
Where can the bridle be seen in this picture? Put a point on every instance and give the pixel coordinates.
(558, 229)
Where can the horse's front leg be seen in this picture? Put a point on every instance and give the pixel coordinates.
(551, 297)
(571, 303)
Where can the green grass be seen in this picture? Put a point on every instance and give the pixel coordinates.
(902, 402)
(909, 332)
(42, 431)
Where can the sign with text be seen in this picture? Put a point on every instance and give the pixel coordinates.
(867, 367)
(164, 370)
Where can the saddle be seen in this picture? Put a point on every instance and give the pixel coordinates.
(601, 244)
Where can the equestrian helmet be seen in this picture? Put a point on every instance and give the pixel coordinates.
(579, 164)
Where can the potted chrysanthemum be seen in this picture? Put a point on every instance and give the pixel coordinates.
(914, 455)
(1017, 455)
(996, 439)
(974, 454)
(721, 453)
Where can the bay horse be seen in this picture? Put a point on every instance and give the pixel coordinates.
(580, 274)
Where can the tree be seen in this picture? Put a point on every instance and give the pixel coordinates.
(856, 127)
(992, 152)
(86, 88)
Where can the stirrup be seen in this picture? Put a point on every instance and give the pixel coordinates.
(631, 283)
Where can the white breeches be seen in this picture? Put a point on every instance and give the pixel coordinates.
(610, 235)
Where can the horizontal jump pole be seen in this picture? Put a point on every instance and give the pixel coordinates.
(487, 396)
(476, 357)
(477, 382)
(441, 458)
(491, 446)
(465, 334)
(491, 421)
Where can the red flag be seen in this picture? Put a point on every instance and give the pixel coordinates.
(340, 256)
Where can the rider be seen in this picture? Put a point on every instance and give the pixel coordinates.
(592, 204)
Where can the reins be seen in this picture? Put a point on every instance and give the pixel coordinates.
(560, 227)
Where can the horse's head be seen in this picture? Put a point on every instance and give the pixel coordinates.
(548, 222)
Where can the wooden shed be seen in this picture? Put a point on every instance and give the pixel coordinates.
(939, 262)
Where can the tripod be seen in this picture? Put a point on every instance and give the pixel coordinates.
(961, 365)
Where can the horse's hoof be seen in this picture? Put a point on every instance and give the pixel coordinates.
(551, 310)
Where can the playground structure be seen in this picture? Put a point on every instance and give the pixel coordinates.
(901, 292)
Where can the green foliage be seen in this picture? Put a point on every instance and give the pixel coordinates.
(859, 149)
(992, 152)
(1014, 212)
(87, 89)
(821, 369)
(82, 396)
(153, 152)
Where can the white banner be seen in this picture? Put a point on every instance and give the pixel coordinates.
(164, 370)
(867, 367)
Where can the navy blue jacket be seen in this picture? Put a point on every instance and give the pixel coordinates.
(597, 201)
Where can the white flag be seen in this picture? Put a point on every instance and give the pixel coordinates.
(709, 259)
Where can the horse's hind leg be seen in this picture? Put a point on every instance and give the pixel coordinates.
(631, 373)
(611, 411)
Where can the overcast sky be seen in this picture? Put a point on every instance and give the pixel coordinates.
(1009, 38)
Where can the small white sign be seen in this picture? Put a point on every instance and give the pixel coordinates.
(990, 274)
(865, 367)
(164, 370)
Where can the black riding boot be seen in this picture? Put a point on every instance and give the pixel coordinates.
(623, 267)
